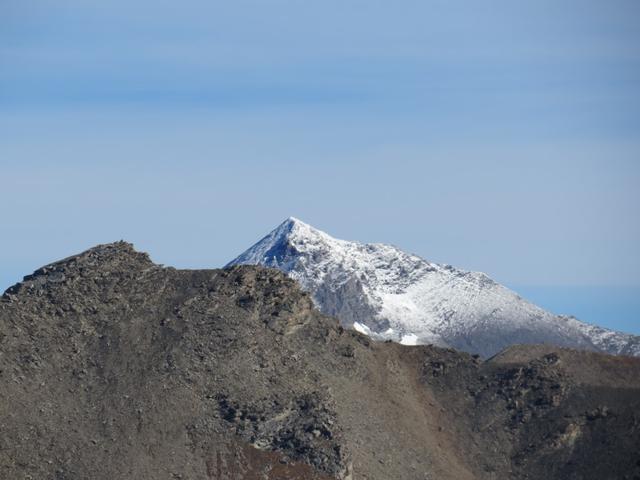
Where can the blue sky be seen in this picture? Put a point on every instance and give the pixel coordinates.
(498, 136)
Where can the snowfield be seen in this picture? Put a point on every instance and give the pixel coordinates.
(386, 293)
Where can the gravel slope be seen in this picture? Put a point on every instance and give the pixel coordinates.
(112, 367)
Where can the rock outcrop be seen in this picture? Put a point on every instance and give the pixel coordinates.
(113, 367)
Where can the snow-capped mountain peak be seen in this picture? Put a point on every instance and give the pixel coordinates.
(387, 293)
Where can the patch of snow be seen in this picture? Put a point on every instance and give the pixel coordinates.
(409, 339)
(358, 327)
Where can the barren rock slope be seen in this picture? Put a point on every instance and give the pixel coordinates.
(112, 367)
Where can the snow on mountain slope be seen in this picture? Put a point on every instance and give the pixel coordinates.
(389, 294)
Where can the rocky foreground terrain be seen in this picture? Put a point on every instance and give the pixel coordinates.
(113, 367)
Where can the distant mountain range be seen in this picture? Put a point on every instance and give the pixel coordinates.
(389, 294)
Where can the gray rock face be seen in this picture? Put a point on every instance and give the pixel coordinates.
(389, 294)
(347, 302)
(114, 367)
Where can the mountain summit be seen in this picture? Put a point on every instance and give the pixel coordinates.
(389, 294)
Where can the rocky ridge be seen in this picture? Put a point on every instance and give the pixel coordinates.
(114, 367)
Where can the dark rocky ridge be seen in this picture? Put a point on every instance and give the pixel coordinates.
(113, 367)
